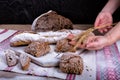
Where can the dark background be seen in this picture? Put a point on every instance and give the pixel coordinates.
(25, 11)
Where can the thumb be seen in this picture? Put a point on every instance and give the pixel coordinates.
(97, 22)
(92, 44)
(70, 36)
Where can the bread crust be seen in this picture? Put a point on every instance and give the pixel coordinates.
(11, 58)
(38, 48)
(63, 46)
(51, 37)
(25, 61)
(71, 63)
(51, 21)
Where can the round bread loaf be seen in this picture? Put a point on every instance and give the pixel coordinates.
(51, 21)
(71, 63)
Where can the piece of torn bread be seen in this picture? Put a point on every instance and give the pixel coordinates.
(38, 48)
(24, 61)
(11, 57)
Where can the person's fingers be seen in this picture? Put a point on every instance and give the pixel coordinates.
(101, 31)
(110, 19)
(93, 48)
(81, 46)
(105, 30)
(70, 36)
(90, 48)
(109, 27)
(97, 22)
(103, 19)
(92, 44)
(72, 42)
(90, 39)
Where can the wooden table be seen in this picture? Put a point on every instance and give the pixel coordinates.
(28, 26)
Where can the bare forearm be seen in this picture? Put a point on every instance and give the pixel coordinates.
(114, 34)
(111, 6)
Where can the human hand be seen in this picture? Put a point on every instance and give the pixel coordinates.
(104, 18)
(97, 42)
(74, 42)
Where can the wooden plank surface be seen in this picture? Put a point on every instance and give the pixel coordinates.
(28, 26)
(16, 26)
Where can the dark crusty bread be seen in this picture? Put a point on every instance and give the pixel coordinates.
(63, 46)
(71, 63)
(11, 58)
(51, 21)
(24, 61)
(38, 48)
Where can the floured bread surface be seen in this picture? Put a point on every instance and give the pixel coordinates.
(51, 21)
(26, 38)
(38, 48)
(23, 39)
(63, 46)
(24, 61)
(71, 63)
(11, 57)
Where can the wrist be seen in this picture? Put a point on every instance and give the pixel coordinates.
(111, 6)
(110, 39)
(108, 12)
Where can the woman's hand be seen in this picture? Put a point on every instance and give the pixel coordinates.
(97, 42)
(104, 18)
(80, 45)
(73, 42)
(92, 42)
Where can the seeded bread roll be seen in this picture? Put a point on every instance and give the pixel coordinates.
(38, 48)
(24, 61)
(51, 21)
(63, 46)
(11, 58)
(71, 63)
